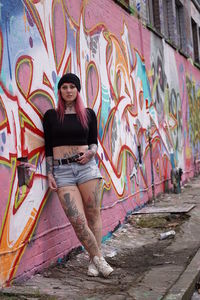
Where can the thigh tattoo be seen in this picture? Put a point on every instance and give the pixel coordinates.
(97, 192)
(71, 208)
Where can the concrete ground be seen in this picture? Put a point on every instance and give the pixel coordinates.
(145, 267)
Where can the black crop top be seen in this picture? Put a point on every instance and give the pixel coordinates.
(70, 132)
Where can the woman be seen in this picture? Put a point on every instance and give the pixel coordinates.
(70, 144)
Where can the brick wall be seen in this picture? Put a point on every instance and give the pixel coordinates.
(136, 83)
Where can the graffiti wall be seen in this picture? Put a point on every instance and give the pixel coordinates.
(146, 97)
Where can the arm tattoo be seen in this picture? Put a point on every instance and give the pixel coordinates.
(49, 164)
(93, 148)
(92, 151)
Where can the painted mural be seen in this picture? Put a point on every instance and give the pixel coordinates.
(147, 107)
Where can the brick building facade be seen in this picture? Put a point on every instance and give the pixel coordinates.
(138, 63)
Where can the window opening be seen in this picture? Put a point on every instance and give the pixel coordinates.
(179, 23)
(195, 41)
(154, 13)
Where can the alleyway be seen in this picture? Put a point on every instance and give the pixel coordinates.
(145, 266)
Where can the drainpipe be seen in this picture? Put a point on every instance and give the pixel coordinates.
(151, 161)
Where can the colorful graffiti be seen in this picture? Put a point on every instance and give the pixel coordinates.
(167, 99)
(133, 105)
(193, 91)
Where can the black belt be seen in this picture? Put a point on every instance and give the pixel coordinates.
(66, 161)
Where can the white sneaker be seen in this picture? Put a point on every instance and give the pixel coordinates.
(92, 270)
(102, 266)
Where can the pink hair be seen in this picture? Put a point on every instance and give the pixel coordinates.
(79, 107)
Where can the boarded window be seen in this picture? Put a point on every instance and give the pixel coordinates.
(154, 14)
(195, 41)
(179, 23)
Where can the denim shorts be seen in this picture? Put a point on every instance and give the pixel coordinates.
(75, 173)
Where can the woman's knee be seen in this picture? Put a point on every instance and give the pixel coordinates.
(93, 214)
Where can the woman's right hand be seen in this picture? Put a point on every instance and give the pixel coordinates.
(52, 182)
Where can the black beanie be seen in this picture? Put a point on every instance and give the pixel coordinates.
(70, 78)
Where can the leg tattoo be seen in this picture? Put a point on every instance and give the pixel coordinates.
(80, 226)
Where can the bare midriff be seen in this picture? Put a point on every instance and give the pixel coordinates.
(68, 151)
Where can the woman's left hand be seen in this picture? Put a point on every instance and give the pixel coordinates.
(86, 157)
